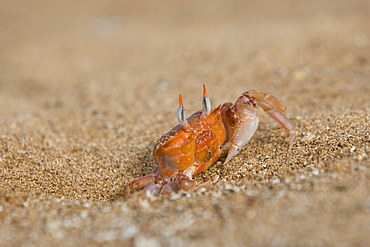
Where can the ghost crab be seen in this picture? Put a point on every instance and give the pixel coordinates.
(199, 141)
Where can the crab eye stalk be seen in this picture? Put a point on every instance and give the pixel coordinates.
(206, 102)
(181, 114)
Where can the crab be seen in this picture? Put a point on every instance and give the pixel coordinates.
(199, 141)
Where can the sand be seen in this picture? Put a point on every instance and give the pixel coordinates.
(87, 88)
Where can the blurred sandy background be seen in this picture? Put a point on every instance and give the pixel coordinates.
(86, 89)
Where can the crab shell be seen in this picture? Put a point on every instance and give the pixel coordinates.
(197, 147)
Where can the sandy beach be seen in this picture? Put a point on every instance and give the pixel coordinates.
(87, 88)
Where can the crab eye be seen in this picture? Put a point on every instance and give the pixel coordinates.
(206, 102)
(181, 113)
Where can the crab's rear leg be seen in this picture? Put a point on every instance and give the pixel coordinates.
(276, 109)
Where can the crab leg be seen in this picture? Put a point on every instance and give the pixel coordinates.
(142, 182)
(180, 180)
(261, 96)
(275, 111)
(184, 181)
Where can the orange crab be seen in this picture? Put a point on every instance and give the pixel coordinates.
(200, 140)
